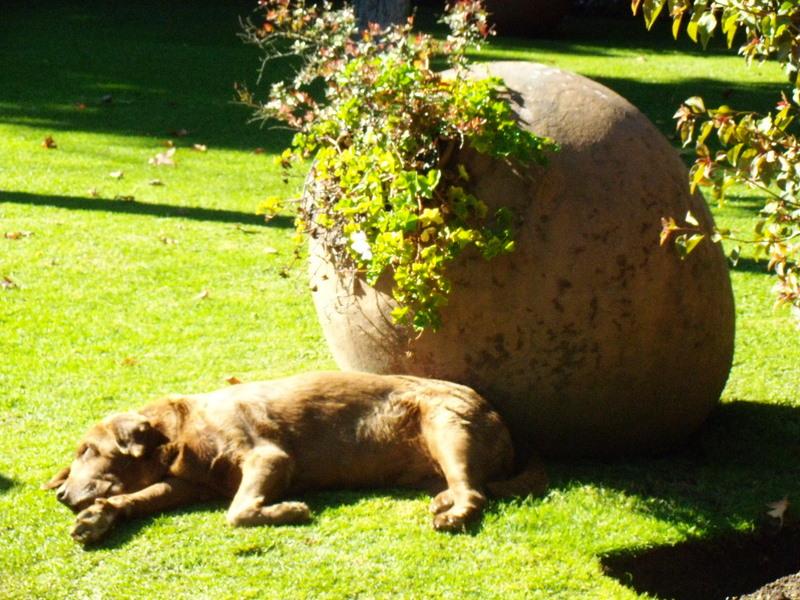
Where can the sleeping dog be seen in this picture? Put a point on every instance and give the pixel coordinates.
(258, 443)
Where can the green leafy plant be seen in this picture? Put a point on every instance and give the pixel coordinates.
(760, 151)
(386, 192)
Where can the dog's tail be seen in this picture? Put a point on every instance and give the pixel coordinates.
(531, 481)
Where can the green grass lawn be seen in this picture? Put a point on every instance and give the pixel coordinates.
(114, 302)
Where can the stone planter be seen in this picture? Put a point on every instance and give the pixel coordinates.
(590, 338)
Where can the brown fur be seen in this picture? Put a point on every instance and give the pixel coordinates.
(259, 442)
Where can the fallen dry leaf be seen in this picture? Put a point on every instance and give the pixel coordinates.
(155, 182)
(117, 174)
(200, 147)
(129, 361)
(8, 284)
(270, 250)
(93, 192)
(233, 380)
(169, 143)
(17, 235)
(49, 143)
(80, 106)
(778, 509)
(163, 158)
(202, 295)
(168, 241)
(259, 151)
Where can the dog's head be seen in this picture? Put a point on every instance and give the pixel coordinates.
(116, 456)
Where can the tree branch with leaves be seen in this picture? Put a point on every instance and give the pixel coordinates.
(734, 146)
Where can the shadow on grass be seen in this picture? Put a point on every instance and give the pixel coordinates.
(145, 68)
(126, 530)
(145, 208)
(751, 265)
(729, 565)
(65, 71)
(6, 484)
(317, 502)
(747, 455)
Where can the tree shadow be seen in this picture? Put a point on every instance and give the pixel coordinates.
(751, 265)
(133, 207)
(145, 68)
(747, 455)
(582, 35)
(152, 68)
(722, 567)
(6, 484)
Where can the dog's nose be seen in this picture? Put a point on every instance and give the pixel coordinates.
(61, 494)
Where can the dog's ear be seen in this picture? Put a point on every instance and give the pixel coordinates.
(57, 480)
(134, 434)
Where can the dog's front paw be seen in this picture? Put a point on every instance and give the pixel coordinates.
(442, 502)
(450, 521)
(93, 523)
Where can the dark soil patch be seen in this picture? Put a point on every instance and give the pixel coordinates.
(727, 566)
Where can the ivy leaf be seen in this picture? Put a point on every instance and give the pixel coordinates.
(734, 255)
(692, 241)
(668, 226)
(652, 8)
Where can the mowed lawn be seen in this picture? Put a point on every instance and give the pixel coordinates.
(121, 281)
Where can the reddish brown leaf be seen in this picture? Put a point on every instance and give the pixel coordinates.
(49, 143)
(233, 380)
(778, 509)
(8, 284)
(17, 235)
(163, 158)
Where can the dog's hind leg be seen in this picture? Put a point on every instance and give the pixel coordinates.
(450, 445)
(266, 474)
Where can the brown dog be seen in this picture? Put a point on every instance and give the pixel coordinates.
(258, 442)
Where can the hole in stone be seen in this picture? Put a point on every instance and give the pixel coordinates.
(716, 568)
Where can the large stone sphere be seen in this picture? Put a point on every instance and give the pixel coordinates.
(590, 338)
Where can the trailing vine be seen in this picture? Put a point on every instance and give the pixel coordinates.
(385, 192)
